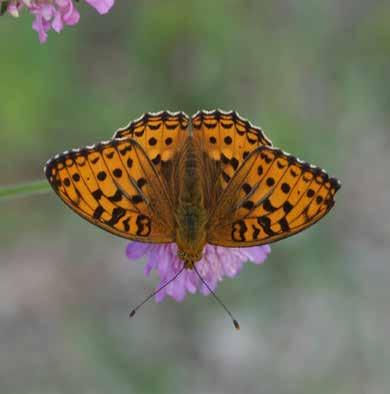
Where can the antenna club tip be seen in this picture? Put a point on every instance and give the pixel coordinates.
(236, 325)
(132, 313)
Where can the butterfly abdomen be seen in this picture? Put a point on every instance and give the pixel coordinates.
(191, 215)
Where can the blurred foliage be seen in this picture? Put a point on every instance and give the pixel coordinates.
(315, 317)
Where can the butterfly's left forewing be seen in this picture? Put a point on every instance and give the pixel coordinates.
(115, 186)
(272, 196)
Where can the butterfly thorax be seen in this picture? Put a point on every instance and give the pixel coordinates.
(191, 215)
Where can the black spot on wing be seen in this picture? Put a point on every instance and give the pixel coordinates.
(256, 231)
(225, 177)
(228, 140)
(225, 159)
(154, 127)
(126, 226)
(209, 125)
(319, 199)
(310, 193)
(143, 225)
(268, 206)
(157, 159)
(285, 188)
(287, 207)
(136, 199)
(98, 212)
(239, 229)
(117, 214)
(101, 176)
(116, 197)
(117, 172)
(141, 182)
(126, 149)
(152, 141)
(97, 194)
(226, 125)
(234, 162)
(247, 188)
(284, 225)
(248, 205)
(265, 223)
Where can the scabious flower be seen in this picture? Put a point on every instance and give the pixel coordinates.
(52, 14)
(216, 263)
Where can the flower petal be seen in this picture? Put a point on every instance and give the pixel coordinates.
(39, 27)
(57, 23)
(136, 250)
(258, 254)
(101, 6)
(216, 263)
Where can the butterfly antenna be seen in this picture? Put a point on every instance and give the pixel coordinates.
(235, 322)
(132, 313)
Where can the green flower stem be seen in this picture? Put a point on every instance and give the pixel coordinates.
(24, 190)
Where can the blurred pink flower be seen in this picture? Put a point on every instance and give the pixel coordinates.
(102, 6)
(53, 14)
(216, 263)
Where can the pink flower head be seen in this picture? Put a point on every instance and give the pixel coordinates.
(216, 263)
(54, 14)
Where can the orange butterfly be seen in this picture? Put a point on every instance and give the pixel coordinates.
(214, 178)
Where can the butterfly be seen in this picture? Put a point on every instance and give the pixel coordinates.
(213, 178)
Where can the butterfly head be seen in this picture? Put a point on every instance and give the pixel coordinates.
(189, 258)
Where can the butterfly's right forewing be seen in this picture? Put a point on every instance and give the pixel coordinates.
(161, 135)
(224, 140)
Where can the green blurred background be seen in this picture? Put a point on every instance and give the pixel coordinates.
(316, 316)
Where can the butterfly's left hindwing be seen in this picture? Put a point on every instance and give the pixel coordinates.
(272, 196)
(115, 186)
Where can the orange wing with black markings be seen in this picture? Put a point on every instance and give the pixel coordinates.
(226, 140)
(115, 186)
(272, 196)
(160, 134)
